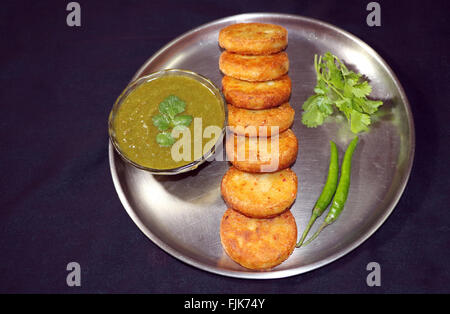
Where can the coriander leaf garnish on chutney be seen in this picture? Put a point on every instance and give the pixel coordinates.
(169, 117)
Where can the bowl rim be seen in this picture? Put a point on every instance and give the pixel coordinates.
(134, 83)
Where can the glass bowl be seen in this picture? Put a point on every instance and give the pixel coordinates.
(147, 78)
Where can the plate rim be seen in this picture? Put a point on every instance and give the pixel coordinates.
(274, 274)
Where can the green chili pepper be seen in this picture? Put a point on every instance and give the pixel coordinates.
(327, 192)
(341, 192)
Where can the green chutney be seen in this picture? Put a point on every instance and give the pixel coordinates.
(136, 134)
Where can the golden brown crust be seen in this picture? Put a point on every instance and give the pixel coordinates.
(259, 195)
(261, 154)
(260, 122)
(254, 68)
(256, 95)
(259, 244)
(253, 38)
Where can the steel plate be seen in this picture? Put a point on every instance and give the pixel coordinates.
(182, 213)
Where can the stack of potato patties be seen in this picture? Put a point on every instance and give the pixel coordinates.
(258, 231)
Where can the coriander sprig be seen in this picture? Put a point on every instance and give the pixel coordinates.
(169, 117)
(345, 89)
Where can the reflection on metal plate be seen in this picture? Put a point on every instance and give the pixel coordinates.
(182, 213)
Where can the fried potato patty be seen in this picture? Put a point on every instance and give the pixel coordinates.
(259, 244)
(254, 68)
(253, 38)
(262, 154)
(259, 195)
(256, 95)
(260, 122)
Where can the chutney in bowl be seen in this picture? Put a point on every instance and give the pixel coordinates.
(168, 122)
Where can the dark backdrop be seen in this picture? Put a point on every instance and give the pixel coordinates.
(58, 203)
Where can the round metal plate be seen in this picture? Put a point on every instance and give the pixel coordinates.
(182, 213)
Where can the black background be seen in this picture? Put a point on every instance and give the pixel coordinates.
(58, 203)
